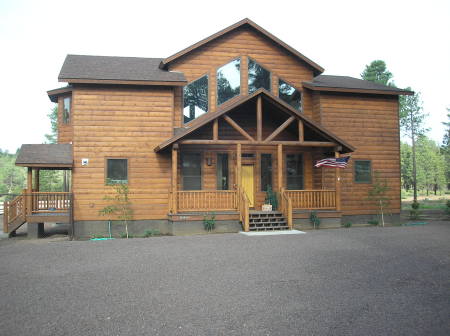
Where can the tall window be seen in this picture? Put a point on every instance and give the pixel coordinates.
(290, 94)
(258, 77)
(195, 96)
(228, 81)
(116, 171)
(66, 110)
(266, 171)
(363, 171)
(191, 171)
(294, 171)
(222, 172)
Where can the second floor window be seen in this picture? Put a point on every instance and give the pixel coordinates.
(258, 77)
(66, 110)
(228, 81)
(290, 94)
(195, 96)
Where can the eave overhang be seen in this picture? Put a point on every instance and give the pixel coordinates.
(122, 82)
(397, 92)
(53, 156)
(55, 93)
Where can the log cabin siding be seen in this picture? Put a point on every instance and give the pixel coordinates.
(370, 123)
(243, 42)
(122, 123)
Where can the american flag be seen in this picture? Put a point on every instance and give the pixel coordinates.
(333, 162)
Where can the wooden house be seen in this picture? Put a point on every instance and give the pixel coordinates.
(207, 131)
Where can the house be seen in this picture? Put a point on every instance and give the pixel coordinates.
(209, 130)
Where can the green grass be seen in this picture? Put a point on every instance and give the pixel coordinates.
(439, 204)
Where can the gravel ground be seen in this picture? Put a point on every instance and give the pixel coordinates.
(357, 281)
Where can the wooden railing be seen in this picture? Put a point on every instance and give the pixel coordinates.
(286, 207)
(50, 202)
(206, 200)
(312, 199)
(244, 209)
(12, 211)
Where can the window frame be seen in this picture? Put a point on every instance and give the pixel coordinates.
(63, 120)
(286, 172)
(296, 88)
(207, 75)
(181, 170)
(370, 171)
(240, 81)
(106, 169)
(248, 77)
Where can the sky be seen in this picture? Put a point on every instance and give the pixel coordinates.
(412, 37)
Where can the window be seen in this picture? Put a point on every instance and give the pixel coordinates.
(195, 96)
(222, 172)
(363, 171)
(191, 171)
(66, 110)
(228, 81)
(258, 77)
(266, 171)
(116, 171)
(290, 94)
(294, 171)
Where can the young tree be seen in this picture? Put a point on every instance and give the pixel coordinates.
(430, 165)
(377, 72)
(445, 148)
(406, 165)
(411, 121)
(52, 138)
(378, 194)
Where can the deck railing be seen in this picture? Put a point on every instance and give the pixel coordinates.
(50, 202)
(12, 210)
(312, 199)
(205, 200)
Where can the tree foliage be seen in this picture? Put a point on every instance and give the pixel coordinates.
(12, 177)
(377, 72)
(52, 137)
(445, 148)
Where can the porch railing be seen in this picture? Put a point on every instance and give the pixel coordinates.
(204, 200)
(312, 199)
(50, 202)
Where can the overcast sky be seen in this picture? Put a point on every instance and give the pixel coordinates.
(412, 37)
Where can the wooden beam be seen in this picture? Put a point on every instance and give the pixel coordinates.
(338, 185)
(244, 142)
(237, 127)
(280, 166)
(29, 190)
(259, 118)
(301, 131)
(280, 129)
(238, 164)
(174, 178)
(216, 129)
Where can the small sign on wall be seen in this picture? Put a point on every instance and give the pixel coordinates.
(84, 162)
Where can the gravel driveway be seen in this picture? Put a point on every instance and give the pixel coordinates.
(357, 281)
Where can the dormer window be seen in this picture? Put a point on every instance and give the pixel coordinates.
(228, 81)
(195, 96)
(258, 77)
(66, 110)
(290, 94)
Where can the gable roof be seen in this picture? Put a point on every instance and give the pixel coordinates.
(317, 69)
(208, 117)
(351, 84)
(45, 155)
(117, 70)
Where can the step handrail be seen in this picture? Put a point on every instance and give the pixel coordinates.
(286, 207)
(244, 209)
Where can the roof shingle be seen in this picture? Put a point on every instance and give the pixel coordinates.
(50, 155)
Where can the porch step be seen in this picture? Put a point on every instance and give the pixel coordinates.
(267, 221)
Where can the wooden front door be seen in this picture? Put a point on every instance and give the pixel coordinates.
(248, 183)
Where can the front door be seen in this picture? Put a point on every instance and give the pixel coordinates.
(248, 184)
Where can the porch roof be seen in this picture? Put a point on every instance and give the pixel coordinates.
(209, 117)
(45, 156)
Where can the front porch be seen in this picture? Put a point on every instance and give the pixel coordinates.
(227, 161)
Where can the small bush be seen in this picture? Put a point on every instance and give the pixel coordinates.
(314, 219)
(347, 224)
(125, 235)
(415, 205)
(373, 222)
(447, 210)
(151, 233)
(97, 236)
(209, 223)
(414, 213)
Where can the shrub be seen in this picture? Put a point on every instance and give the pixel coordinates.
(414, 213)
(347, 224)
(151, 233)
(209, 223)
(314, 219)
(415, 205)
(373, 222)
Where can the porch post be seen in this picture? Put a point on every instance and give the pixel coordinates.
(338, 185)
(29, 190)
(36, 182)
(174, 177)
(259, 119)
(238, 165)
(280, 166)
